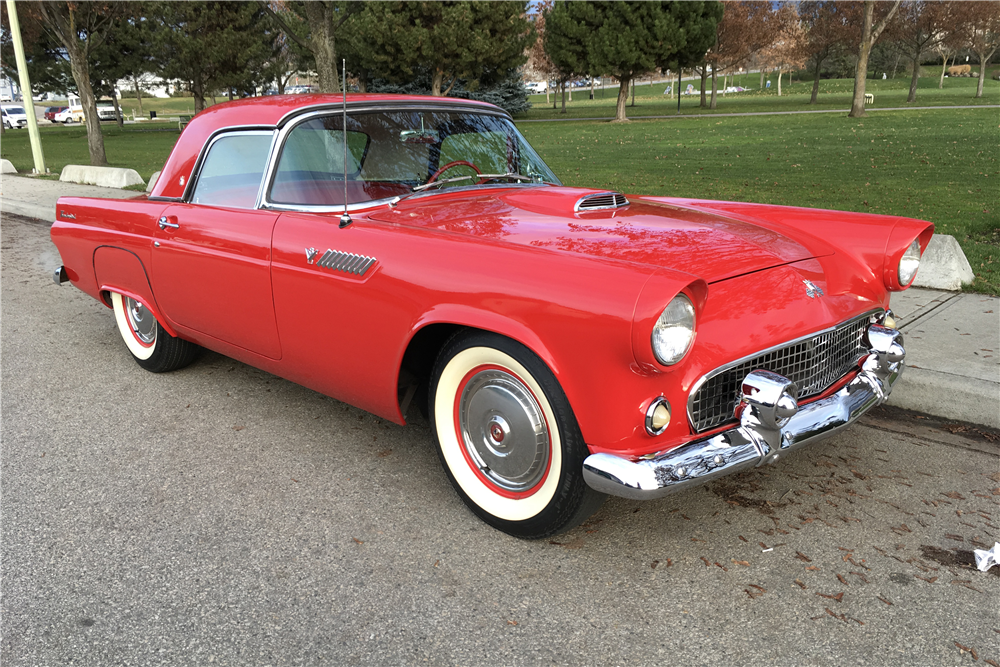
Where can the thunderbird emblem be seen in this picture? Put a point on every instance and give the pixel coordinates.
(812, 291)
(311, 254)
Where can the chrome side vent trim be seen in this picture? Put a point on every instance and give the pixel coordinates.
(601, 200)
(347, 262)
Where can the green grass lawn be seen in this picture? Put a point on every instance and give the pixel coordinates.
(937, 165)
(833, 94)
(167, 106)
(141, 147)
(940, 165)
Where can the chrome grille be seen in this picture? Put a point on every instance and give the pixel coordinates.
(603, 200)
(814, 364)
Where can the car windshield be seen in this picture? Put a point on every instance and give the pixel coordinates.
(395, 153)
(14, 110)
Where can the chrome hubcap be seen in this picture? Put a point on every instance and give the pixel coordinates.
(503, 430)
(140, 320)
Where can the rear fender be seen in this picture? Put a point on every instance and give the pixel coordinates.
(121, 271)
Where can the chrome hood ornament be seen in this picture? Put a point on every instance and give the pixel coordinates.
(812, 291)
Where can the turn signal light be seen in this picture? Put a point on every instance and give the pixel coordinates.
(658, 416)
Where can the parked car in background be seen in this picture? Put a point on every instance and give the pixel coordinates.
(14, 117)
(69, 115)
(535, 87)
(106, 112)
(50, 112)
(565, 343)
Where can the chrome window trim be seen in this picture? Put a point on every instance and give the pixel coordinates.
(216, 136)
(375, 203)
(293, 119)
(451, 104)
(742, 360)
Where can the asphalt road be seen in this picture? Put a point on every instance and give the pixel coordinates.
(220, 515)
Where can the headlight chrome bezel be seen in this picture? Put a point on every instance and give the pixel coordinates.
(677, 317)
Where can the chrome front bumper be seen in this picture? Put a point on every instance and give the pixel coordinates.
(771, 425)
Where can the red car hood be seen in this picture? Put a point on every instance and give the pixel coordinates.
(710, 246)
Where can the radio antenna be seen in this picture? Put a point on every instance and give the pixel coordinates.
(345, 219)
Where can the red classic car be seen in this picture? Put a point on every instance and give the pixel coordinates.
(397, 252)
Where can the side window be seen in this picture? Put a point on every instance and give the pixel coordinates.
(233, 169)
(311, 168)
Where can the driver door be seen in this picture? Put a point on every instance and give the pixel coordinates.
(212, 258)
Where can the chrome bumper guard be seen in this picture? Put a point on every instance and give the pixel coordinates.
(771, 425)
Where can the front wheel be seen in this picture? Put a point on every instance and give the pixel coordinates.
(507, 437)
(150, 345)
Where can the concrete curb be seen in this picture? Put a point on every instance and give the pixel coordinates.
(152, 181)
(106, 177)
(944, 265)
(27, 209)
(921, 389)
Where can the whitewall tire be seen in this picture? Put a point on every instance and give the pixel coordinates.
(507, 437)
(152, 348)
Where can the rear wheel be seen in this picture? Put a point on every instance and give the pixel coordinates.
(507, 437)
(150, 345)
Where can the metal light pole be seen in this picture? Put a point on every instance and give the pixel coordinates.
(22, 73)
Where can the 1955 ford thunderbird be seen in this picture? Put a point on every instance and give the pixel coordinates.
(397, 252)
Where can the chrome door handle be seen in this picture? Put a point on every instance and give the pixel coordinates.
(164, 224)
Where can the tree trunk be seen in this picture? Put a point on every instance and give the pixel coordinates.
(138, 95)
(984, 61)
(895, 65)
(762, 78)
(198, 90)
(591, 87)
(623, 86)
(562, 85)
(779, 81)
(704, 84)
(868, 37)
(546, 93)
(912, 97)
(81, 76)
(436, 82)
(944, 68)
(714, 87)
(570, 93)
(320, 18)
(815, 91)
(861, 69)
(118, 109)
(633, 92)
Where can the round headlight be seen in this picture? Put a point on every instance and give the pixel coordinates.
(909, 264)
(674, 331)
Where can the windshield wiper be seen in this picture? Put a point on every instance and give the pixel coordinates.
(480, 177)
(442, 181)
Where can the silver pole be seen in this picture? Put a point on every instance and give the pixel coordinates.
(345, 219)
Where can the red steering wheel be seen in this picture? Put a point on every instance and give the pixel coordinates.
(456, 163)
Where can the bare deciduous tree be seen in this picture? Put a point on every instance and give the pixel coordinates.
(869, 35)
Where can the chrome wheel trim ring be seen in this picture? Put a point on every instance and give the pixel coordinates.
(140, 321)
(503, 430)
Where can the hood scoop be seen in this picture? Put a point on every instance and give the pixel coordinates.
(601, 200)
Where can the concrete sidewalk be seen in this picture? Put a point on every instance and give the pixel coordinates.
(952, 339)
(36, 197)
